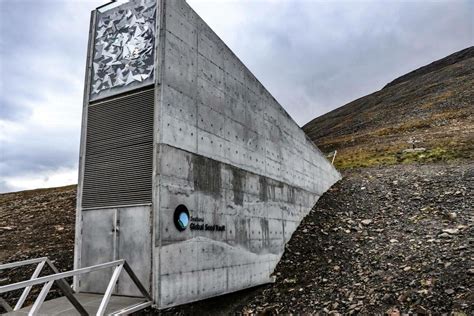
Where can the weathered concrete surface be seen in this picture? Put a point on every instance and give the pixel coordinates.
(259, 214)
(233, 156)
(230, 153)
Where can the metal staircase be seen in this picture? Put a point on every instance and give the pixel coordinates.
(73, 303)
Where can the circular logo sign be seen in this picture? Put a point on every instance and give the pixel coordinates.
(181, 217)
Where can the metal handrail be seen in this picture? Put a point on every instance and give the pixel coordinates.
(61, 283)
(21, 263)
(60, 276)
(24, 295)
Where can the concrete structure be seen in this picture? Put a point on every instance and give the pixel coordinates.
(189, 169)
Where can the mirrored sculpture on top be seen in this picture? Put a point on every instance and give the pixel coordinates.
(123, 49)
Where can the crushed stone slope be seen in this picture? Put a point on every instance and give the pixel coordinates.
(33, 224)
(395, 238)
(388, 237)
(385, 237)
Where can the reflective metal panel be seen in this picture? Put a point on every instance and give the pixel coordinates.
(123, 56)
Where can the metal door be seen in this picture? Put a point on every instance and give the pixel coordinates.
(98, 239)
(134, 245)
(111, 234)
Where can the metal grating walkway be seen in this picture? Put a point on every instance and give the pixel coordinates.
(90, 302)
(73, 303)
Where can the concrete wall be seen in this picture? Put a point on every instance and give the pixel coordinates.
(230, 153)
(222, 146)
(212, 96)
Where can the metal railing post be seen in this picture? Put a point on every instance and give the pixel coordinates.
(58, 276)
(110, 289)
(27, 289)
(137, 282)
(48, 281)
(40, 299)
(62, 284)
(5, 305)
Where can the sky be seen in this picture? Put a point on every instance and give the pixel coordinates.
(313, 56)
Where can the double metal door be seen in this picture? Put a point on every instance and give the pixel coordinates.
(112, 234)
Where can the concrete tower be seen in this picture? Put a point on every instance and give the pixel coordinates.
(189, 168)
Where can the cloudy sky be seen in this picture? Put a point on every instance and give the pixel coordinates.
(313, 56)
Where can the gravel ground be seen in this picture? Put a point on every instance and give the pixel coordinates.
(399, 237)
(393, 239)
(33, 224)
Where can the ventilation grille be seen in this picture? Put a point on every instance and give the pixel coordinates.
(119, 151)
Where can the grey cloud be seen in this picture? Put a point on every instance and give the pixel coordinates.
(5, 187)
(37, 154)
(25, 38)
(313, 56)
(42, 55)
(12, 110)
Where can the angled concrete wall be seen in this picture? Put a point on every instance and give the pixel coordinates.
(222, 146)
(234, 157)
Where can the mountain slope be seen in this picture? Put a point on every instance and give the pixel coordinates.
(430, 108)
(33, 224)
(384, 237)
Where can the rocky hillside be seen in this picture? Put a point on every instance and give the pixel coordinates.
(425, 115)
(393, 238)
(389, 238)
(33, 224)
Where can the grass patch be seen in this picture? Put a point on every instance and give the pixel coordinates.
(361, 159)
(433, 155)
(418, 124)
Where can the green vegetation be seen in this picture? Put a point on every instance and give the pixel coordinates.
(433, 155)
(430, 108)
(369, 159)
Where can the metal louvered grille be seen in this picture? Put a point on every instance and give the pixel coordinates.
(119, 151)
